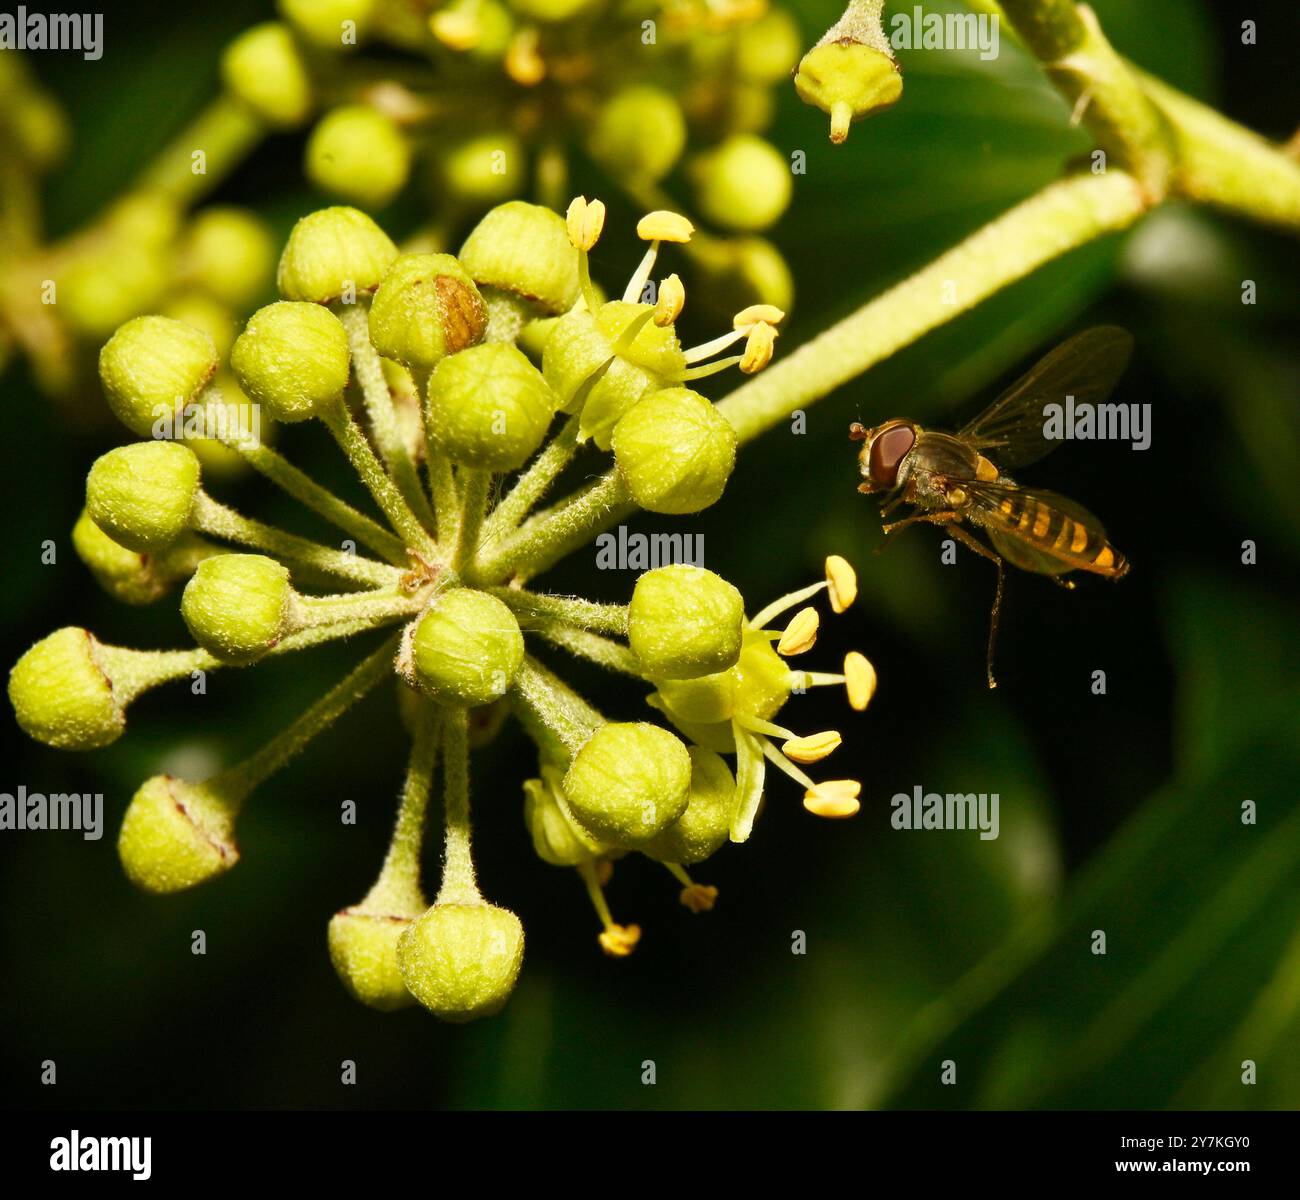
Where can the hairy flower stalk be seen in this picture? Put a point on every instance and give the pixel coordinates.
(457, 527)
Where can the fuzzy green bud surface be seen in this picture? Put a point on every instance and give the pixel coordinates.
(684, 622)
(62, 693)
(363, 949)
(640, 134)
(706, 823)
(176, 835)
(675, 451)
(744, 184)
(461, 961)
(141, 495)
(292, 358)
(333, 251)
(490, 407)
(628, 783)
(153, 366)
(466, 649)
(426, 308)
(237, 605)
(265, 70)
(228, 253)
(524, 249)
(359, 154)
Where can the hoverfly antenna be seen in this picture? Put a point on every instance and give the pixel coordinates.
(857, 432)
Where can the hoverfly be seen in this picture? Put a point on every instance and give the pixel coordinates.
(959, 478)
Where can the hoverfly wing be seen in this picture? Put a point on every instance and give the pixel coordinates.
(1041, 531)
(1087, 367)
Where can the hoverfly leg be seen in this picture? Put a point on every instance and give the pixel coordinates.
(975, 544)
(934, 518)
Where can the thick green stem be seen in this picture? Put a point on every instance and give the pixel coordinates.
(476, 484)
(368, 370)
(582, 643)
(552, 534)
(554, 705)
(442, 483)
(458, 882)
(584, 614)
(225, 132)
(208, 516)
(534, 483)
(397, 891)
(1061, 217)
(380, 607)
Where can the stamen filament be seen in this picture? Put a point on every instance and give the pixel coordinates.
(784, 604)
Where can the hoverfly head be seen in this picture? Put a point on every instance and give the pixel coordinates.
(883, 449)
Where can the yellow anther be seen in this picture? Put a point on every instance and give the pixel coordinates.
(800, 634)
(664, 226)
(585, 221)
(457, 29)
(812, 748)
(758, 348)
(523, 63)
(859, 680)
(618, 941)
(835, 798)
(841, 583)
(672, 299)
(768, 314)
(699, 897)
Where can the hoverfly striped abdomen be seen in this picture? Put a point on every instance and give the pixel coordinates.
(1079, 544)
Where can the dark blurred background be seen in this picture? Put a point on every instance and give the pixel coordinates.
(1119, 812)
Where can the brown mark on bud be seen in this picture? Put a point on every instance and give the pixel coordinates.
(464, 315)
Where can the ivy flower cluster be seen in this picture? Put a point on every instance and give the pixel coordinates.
(458, 389)
(462, 104)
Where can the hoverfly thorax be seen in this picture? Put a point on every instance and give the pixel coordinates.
(882, 453)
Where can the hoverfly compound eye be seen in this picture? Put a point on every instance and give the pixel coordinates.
(887, 451)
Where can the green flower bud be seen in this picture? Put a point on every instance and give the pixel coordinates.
(229, 253)
(292, 358)
(768, 50)
(749, 270)
(552, 10)
(745, 183)
(363, 948)
(851, 72)
(639, 134)
(237, 606)
(141, 495)
(675, 451)
(490, 407)
(144, 218)
(231, 414)
(153, 366)
(524, 249)
(757, 686)
(330, 251)
(358, 153)
(628, 783)
(264, 69)
(466, 649)
(101, 290)
(329, 24)
(706, 823)
(176, 835)
(128, 575)
(684, 622)
(461, 960)
(579, 347)
(555, 838)
(62, 693)
(483, 170)
(426, 308)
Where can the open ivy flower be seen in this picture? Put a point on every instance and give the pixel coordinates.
(418, 366)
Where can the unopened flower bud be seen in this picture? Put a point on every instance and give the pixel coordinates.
(109, 285)
(62, 693)
(675, 451)
(743, 184)
(264, 69)
(130, 575)
(335, 25)
(639, 134)
(684, 622)
(293, 359)
(359, 154)
(229, 253)
(768, 50)
(706, 823)
(153, 366)
(331, 251)
(482, 170)
(176, 835)
(363, 948)
(555, 839)
(461, 961)
(141, 495)
(851, 72)
(466, 649)
(628, 783)
(237, 605)
(524, 249)
(490, 407)
(426, 308)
